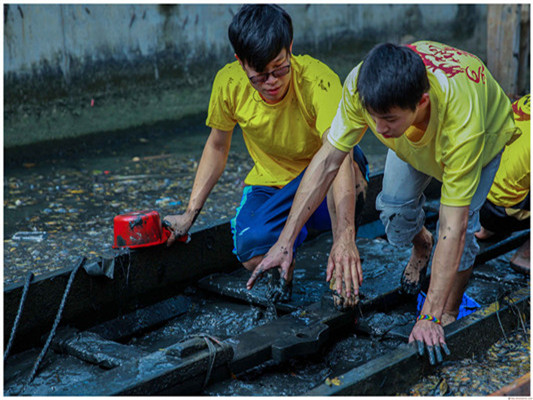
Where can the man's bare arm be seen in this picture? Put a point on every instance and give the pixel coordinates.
(344, 263)
(210, 168)
(453, 223)
(312, 190)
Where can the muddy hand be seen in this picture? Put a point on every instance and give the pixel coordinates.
(179, 225)
(278, 288)
(429, 337)
(344, 273)
(341, 300)
(280, 255)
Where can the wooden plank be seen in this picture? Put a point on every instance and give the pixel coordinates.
(151, 374)
(525, 35)
(519, 387)
(383, 265)
(147, 276)
(503, 44)
(378, 290)
(143, 319)
(400, 369)
(284, 338)
(94, 349)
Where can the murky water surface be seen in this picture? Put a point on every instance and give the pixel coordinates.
(73, 198)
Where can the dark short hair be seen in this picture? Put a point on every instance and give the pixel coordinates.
(391, 76)
(258, 33)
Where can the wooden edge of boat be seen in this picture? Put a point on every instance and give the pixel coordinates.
(519, 387)
(141, 277)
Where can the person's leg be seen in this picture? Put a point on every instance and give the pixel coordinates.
(520, 261)
(260, 219)
(400, 203)
(503, 220)
(484, 234)
(415, 271)
(252, 263)
(245, 239)
(471, 248)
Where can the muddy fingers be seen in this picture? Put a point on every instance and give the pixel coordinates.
(342, 301)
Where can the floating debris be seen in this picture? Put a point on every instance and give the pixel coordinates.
(30, 236)
(75, 204)
(481, 375)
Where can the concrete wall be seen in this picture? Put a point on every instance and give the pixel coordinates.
(71, 70)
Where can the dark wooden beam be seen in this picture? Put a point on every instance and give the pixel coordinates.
(143, 277)
(397, 371)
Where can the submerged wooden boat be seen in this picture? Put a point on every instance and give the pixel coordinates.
(179, 320)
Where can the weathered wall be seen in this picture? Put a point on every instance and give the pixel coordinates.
(71, 70)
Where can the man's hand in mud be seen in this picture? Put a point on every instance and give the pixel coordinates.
(279, 255)
(344, 271)
(278, 288)
(430, 335)
(179, 226)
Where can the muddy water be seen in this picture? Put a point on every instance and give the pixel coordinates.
(28, 175)
(74, 195)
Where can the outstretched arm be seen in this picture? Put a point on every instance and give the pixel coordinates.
(312, 190)
(344, 262)
(210, 168)
(453, 223)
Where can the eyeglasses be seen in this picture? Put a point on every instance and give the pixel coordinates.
(277, 73)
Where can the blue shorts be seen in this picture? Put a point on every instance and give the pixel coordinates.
(263, 212)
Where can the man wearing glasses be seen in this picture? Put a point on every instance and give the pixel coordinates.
(284, 105)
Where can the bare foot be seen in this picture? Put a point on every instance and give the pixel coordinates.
(416, 268)
(341, 301)
(520, 261)
(483, 234)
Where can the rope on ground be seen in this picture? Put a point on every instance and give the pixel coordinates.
(56, 323)
(209, 340)
(29, 278)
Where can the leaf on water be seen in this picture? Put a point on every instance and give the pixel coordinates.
(443, 387)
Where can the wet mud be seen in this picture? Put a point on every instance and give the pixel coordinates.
(372, 337)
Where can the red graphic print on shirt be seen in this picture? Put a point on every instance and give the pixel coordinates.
(521, 109)
(446, 59)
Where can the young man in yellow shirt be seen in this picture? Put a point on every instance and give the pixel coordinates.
(507, 208)
(284, 104)
(442, 115)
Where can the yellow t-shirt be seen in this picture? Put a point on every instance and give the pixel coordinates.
(281, 138)
(471, 121)
(512, 181)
